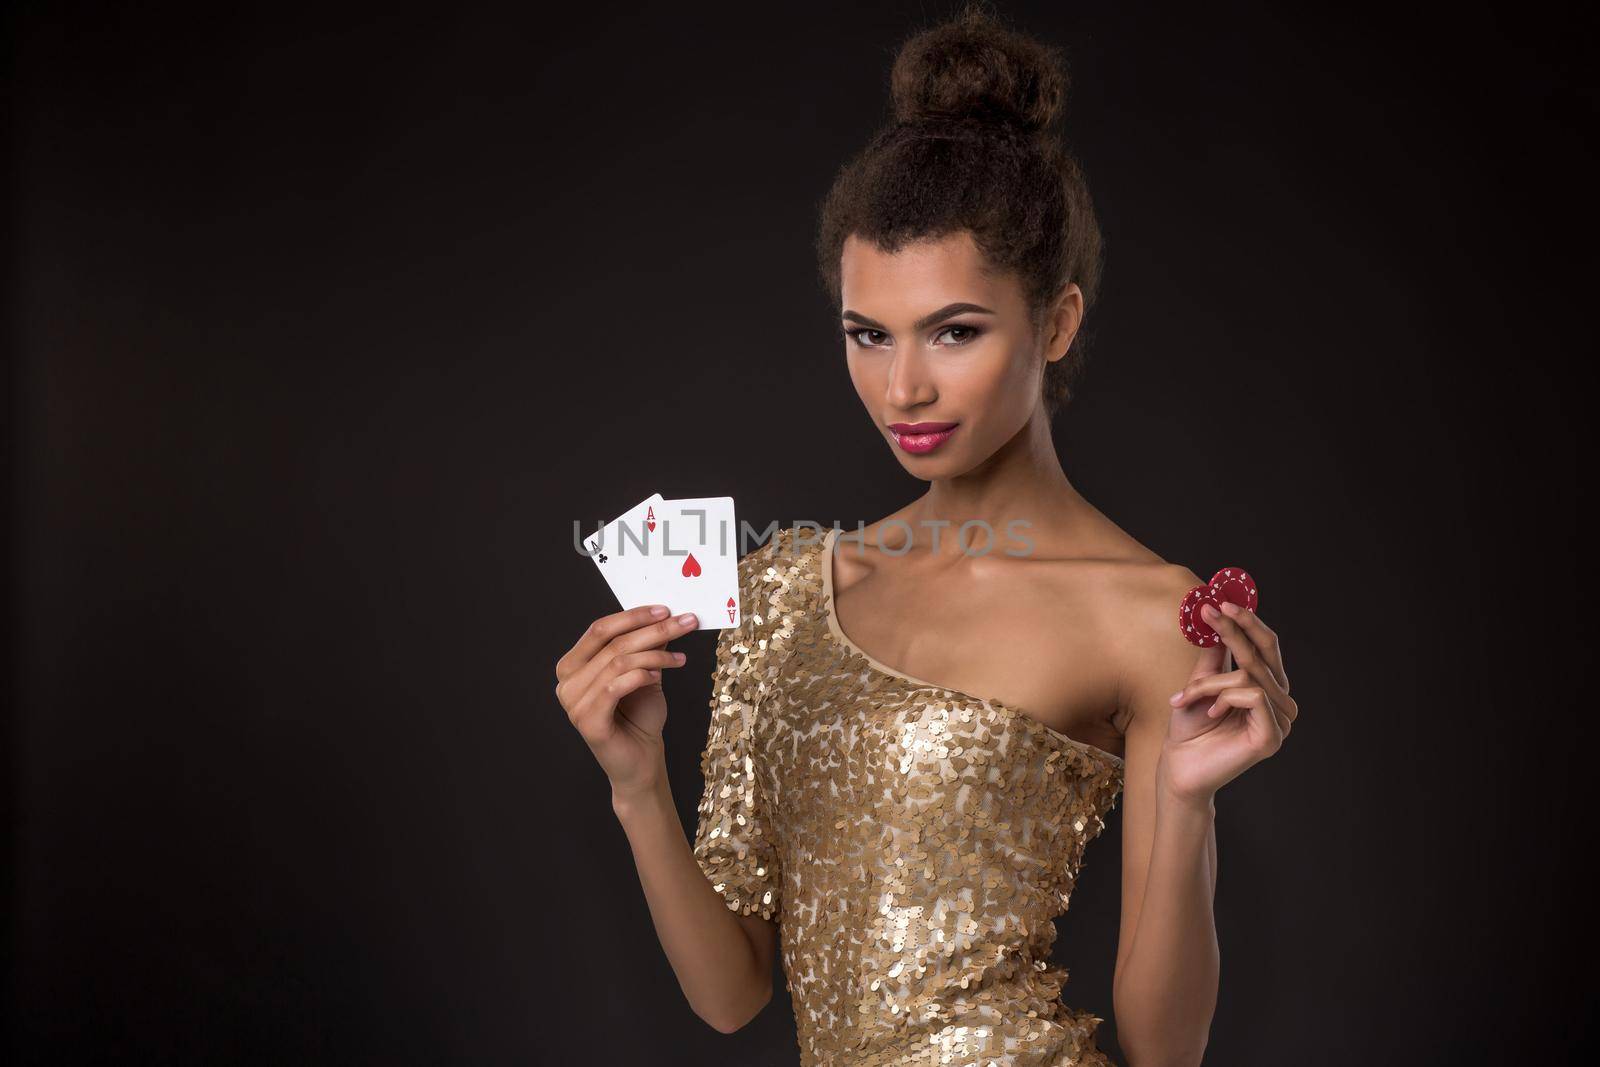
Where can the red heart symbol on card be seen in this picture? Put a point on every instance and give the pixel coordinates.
(691, 567)
(1230, 585)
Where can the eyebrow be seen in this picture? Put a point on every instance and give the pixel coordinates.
(926, 320)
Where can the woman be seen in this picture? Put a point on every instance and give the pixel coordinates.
(910, 841)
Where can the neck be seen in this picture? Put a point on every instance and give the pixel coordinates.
(1022, 483)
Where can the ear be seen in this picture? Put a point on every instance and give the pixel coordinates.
(1062, 322)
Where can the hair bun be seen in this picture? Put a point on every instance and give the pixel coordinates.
(973, 67)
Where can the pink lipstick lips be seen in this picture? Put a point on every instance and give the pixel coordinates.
(920, 437)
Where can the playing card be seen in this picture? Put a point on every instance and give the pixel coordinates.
(694, 564)
(621, 550)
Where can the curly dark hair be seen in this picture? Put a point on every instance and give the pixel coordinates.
(970, 148)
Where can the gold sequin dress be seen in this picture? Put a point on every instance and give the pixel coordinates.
(912, 842)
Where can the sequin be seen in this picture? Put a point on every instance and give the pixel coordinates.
(913, 843)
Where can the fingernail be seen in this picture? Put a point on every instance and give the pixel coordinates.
(678, 657)
(658, 611)
(686, 618)
(1207, 610)
(1173, 699)
(1230, 607)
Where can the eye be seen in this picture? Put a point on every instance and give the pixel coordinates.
(968, 334)
(855, 335)
(972, 332)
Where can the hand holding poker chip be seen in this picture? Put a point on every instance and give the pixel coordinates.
(1230, 585)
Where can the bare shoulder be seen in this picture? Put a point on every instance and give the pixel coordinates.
(1131, 596)
(1152, 656)
(1129, 582)
(1143, 597)
(1132, 600)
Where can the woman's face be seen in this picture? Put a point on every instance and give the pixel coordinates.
(933, 336)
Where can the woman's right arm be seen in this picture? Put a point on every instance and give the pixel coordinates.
(609, 682)
(723, 960)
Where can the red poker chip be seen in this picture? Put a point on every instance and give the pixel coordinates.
(1195, 628)
(1235, 586)
(1230, 585)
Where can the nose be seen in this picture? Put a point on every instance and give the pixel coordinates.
(910, 382)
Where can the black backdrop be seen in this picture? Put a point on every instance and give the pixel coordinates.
(328, 324)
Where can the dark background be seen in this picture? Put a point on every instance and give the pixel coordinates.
(328, 324)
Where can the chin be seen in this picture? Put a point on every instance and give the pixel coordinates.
(934, 465)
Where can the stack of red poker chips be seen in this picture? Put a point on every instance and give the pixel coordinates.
(1230, 585)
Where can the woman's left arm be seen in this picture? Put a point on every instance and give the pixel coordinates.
(1180, 749)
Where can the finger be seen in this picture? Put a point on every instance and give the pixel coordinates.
(649, 658)
(602, 695)
(594, 719)
(655, 635)
(1263, 727)
(1210, 661)
(1209, 686)
(1285, 720)
(1288, 711)
(1263, 637)
(620, 685)
(626, 636)
(1244, 649)
(601, 631)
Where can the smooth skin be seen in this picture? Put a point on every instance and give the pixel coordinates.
(1079, 631)
(609, 682)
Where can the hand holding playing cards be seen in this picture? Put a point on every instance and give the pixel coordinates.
(610, 684)
(1224, 721)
